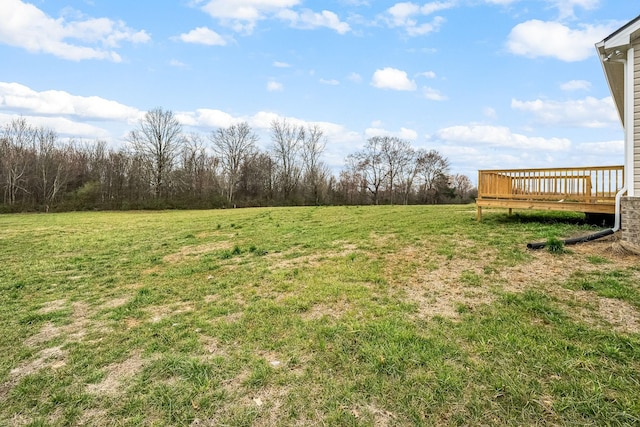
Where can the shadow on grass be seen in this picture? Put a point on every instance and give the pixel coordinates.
(556, 217)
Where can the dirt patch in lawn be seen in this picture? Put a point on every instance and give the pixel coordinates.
(195, 251)
(288, 260)
(51, 306)
(117, 375)
(442, 285)
(333, 310)
(159, 312)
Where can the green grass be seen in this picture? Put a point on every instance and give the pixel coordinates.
(356, 316)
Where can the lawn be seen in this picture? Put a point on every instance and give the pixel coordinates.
(344, 316)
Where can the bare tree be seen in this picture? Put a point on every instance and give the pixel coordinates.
(15, 141)
(287, 140)
(433, 167)
(158, 141)
(396, 153)
(371, 166)
(315, 171)
(234, 145)
(462, 186)
(51, 167)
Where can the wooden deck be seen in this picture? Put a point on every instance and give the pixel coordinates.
(588, 189)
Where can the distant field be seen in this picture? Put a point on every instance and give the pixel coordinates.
(340, 316)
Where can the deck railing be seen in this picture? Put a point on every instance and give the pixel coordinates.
(585, 188)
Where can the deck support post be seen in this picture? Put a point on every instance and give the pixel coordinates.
(479, 214)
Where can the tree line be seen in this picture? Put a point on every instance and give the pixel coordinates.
(162, 166)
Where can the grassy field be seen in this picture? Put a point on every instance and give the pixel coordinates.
(345, 316)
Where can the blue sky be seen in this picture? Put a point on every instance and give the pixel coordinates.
(488, 83)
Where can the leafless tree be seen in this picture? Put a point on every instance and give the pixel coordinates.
(433, 167)
(234, 146)
(158, 140)
(287, 140)
(315, 172)
(51, 167)
(396, 153)
(462, 186)
(16, 139)
(370, 163)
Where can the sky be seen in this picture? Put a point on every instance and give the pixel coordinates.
(490, 84)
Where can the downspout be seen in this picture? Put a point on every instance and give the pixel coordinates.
(629, 129)
(628, 158)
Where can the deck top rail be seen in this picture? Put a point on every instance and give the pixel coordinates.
(588, 189)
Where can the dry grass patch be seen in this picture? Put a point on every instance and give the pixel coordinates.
(195, 251)
(445, 285)
(51, 306)
(160, 312)
(333, 310)
(117, 376)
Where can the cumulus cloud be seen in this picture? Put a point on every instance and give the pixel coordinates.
(62, 126)
(589, 112)
(500, 136)
(602, 148)
(17, 97)
(576, 85)
(203, 35)
(330, 82)
(279, 64)
(25, 26)
(433, 94)
(355, 77)
(566, 7)
(392, 78)
(205, 117)
(428, 74)
(308, 19)
(405, 15)
(537, 38)
(273, 86)
(490, 112)
(243, 15)
(403, 133)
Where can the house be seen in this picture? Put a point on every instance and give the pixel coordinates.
(593, 190)
(620, 57)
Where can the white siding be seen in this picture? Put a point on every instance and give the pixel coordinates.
(636, 117)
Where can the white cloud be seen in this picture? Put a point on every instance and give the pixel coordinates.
(61, 125)
(273, 86)
(308, 19)
(601, 148)
(428, 74)
(589, 112)
(403, 133)
(243, 15)
(203, 35)
(27, 27)
(405, 15)
(392, 78)
(501, 2)
(552, 39)
(433, 94)
(16, 97)
(176, 63)
(489, 112)
(576, 85)
(330, 82)
(279, 64)
(355, 77)
(500, 136)
(566, 7)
